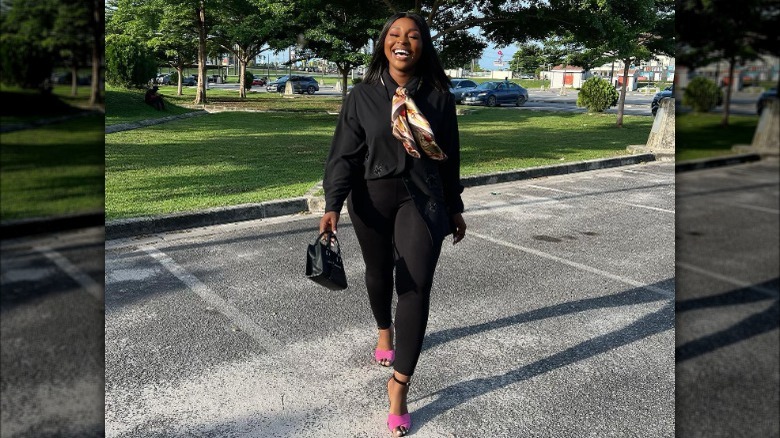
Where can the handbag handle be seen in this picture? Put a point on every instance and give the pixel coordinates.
(330, 241)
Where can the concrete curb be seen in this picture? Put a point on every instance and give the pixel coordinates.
(157, 224)
(557, 169)
(707, 163)
(43, 225)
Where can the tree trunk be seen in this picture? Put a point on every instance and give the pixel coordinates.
(242, 77)
(344, 70)
(200, 95)
(95, 97)
(74, 79)
(612, 74)
(180, 71)
(622, 99)
(727, 101)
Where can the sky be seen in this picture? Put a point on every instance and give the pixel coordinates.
(491, 54)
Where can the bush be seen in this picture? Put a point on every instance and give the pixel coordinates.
(128, 62)
(597, 95)
(357, 81)
(24, 61)
(702, 94)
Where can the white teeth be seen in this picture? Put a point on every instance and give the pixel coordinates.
(401, 52)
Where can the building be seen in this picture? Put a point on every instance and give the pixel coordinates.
(569, 76)
(752, 73)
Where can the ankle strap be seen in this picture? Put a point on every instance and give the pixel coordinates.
(400, 382)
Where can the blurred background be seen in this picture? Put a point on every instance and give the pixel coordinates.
(727, 219)
(51, 216)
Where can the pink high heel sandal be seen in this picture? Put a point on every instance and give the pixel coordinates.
(396, 421)
(388, 355)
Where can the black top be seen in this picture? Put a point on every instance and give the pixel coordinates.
(364, 141)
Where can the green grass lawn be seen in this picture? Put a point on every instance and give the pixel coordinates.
(52, 170)
(123, 106)
(702, 136)
(26, 105)
(239, 157)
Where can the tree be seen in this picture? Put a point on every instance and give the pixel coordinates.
(733, 31)
(458, 48)
(247, 27)
(175, 41)
(72, 37)
(628, 30)
(129, 62)
(527, 58)
(26, 57)
(340, 31)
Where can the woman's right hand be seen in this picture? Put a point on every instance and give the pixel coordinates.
(329, 221)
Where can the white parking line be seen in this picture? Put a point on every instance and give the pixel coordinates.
(580, 266)
(90, 286)
(729, 280)
(241, 320)
(640, 172)
(608, 200)
(749, 207)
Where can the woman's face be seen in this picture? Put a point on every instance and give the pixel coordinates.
(403, 45)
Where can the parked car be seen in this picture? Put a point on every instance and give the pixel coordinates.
(260, 81)
(460, 86)
(60, 78)
(666, 92)
(300, 84)
(189, 81)
(496, 93)
(764, 98)
(164, 79)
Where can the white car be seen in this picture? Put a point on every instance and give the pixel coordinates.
(460, 86)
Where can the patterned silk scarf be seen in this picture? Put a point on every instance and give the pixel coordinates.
(412, 128)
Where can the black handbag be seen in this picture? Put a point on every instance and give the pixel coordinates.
(324, 264)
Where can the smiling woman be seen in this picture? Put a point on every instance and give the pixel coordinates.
(403, 180)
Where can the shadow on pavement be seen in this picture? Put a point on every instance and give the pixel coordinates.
(649, 325)
(753, 325)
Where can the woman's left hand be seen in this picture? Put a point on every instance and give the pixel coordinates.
(460, 228)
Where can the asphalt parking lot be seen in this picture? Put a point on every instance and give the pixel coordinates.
(728, 290)
(554, 318)
(52, 335)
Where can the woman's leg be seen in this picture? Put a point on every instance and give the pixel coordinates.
(416, 258)
(372, 214)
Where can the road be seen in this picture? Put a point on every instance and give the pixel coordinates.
(554, 318)
(551, 100)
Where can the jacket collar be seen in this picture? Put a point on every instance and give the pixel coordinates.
(390, 85)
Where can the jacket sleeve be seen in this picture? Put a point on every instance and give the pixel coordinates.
(449, 169)
(346, 155)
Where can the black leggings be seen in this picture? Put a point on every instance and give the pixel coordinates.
(393, 235)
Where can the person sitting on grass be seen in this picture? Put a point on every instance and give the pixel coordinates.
(154, 99)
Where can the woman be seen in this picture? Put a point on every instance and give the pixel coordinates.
(395, 153)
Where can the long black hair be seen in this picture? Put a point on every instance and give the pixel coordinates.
(428, 67)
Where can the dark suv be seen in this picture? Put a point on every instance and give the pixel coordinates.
(300, 84)
(656, 103)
